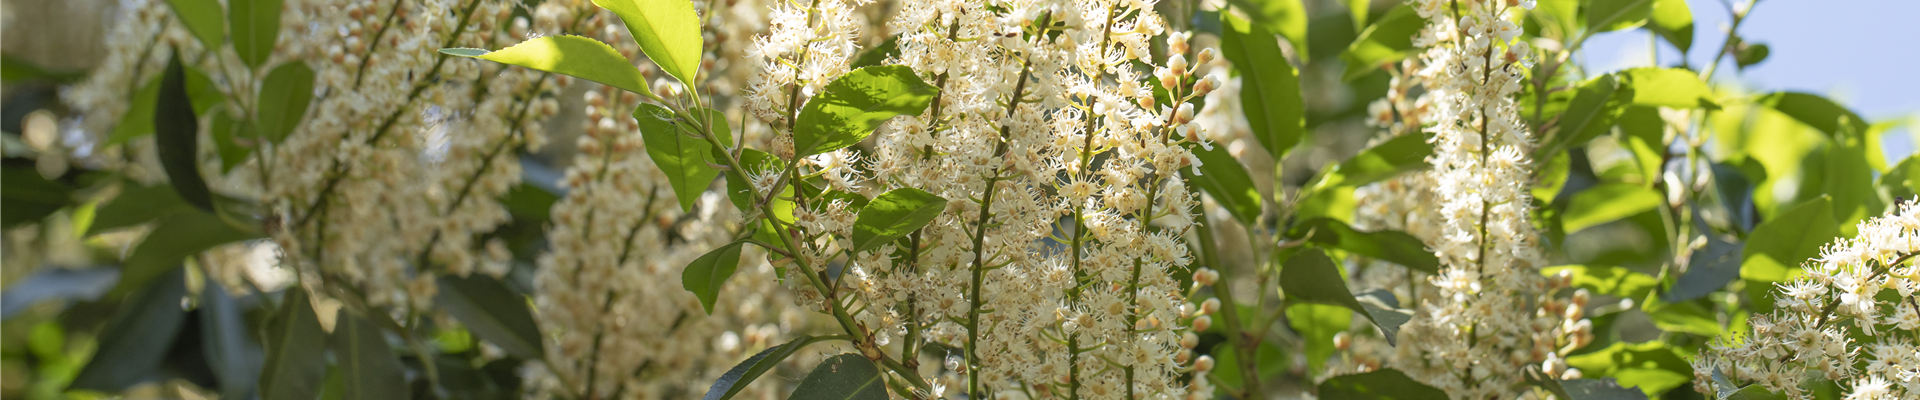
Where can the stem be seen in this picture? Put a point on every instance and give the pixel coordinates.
(979, 240)
(1230, 310)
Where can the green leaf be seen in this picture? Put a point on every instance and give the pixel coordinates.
(1607, 280)
(27, 197)
(1317, 324)
(1674, 22)
(1222, 177)
(1591, 113)
(1381, 384)
(203, 18)
(843, 377)
(223, 132)
(1391, 246)
(745, 372)
(1752, 392)
(1552, 177)
(1818, 112)
(894, 214)
(1777, 247)
(493, 312)
(1311, 277)
(1288, 18)
(228, 342)
(1269, 87)
(854, 105)
(684, 159)
(1382, 161)
(1601, 389)
(878, 54)
(1849, 181)
(1613, 15)
(368, 367)
(1670, 87)
(1559, 16)
(256, 27)
(1652, 366)
(575, 56)
(1271, 360)
(296, 362)
(1688, 317)
(1902, 181)
(667, 30)
(177, 137)
(1388, 40)
(1606, 203)
(136, 205)
(134, 343)
(706, 274)
(284, 97)
(1708, 270)
(1749, 54)
(756, 162)
(138, 120)
(179, 235)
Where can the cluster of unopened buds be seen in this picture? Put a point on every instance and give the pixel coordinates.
(1574, 330)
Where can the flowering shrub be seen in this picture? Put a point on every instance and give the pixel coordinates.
(1009, 199)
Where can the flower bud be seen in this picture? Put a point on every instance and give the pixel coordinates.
(1204, 364)
(1177, 42)
(1553, 366)
(1204, 276)
(1201, 323)
(1571, 374)
(1188, 340)
(1575, 313)
(1205, 56)
(1184, 114)
(1581, 297)
(1178, 63)
(1146, 102)
(1167, 79)
(1183, 356)
(1206, 85)
(1342, 341)
(1210, 306)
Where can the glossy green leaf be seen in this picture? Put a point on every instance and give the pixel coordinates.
(1388, 40)
(1381, 384)
(894, 214)
(368, 367)
(1613, 15)
(1777, 247)
(742, 374)
(685, 160)
(1222, 177)
(227, 341)
(137, 205)
(1670, 87)
(1673, 21)
(296, 363)
(1708, 270)
(284, 97)
(1269, 87)
(493, 312)
(843, 377)
(177, 137)
(1600, 389)
(575, 56)
(705, 276)
(879, 54)
(204, 19)
(134, 343)
(1591, 113)
(1288, 18)
(178, 236)
(1391, 246)
(1818, 112)
(1309, 276)
(1607, 280)
(1653, 366)
(138, 120)
(1382, 161)
(1686, 317)
(256, 27)
(854, 105)
(1606, 203)
(667, 30)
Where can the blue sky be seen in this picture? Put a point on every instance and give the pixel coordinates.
(1863, 53)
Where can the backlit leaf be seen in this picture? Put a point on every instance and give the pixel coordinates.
(892, 215)
(683, 158)
(667, 30)
(705, 276)
(575, 56)
(854, 105)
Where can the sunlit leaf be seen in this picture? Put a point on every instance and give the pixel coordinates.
(1381, 384)
(705, 276)
(204, 19)
(1222, 177)
(1607, 280)
(1269, 87)
(1382, 161)
(742, 374)
(1613, 15)
(1669, 87)
(1777, 247)
(1606, 203)
(854, 105)
(684, 159)
(1653, 366)
(1288, 18)
(1388, 40)
(892, 215)
(1673, 21)
(575, 56)
(667, 30)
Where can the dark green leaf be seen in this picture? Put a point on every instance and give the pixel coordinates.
(684, 159)
(135, 342)
(667, 30)
(1607, 203)
(28, 197)
(1317, 324)
(1310, 276)
(284, 97)
(493, 312)
(878, 54)
(1270, 359)
(203, 18)
(256, 26)
(1613, 15)
(177, 136)
(1382, 161)
(1222, 177)
(575, 56)
(1750, 53)
(1708, 270)
(894, 214)
(1777, 247)
(1388, 40)
(843, 377)
(1674, 22)
(229, 344)
(1652, 366)
(1600, 389)
(745, 372)
(705, 276)
(223, 132)
(1385, 312)
(1381, 384)
(854, 105)
(178, 236)
(1391, 246)
(1589, 114)
(61, 284)
(368, 367)
(1288, 18)
(1607, 280)
(137, 205)
(296, 361)
(1269, 87)
(138, 120)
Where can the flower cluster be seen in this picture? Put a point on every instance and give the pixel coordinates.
(1850, 319)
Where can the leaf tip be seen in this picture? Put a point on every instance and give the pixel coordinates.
(464, 52)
